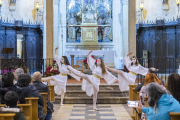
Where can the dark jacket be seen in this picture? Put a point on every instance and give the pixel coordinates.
(19, 114)
(14, 88)
(44, 88)
(31, 91)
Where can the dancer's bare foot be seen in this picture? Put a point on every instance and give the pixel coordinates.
(61, 104)
(96, 109)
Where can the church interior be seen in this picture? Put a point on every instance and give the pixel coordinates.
(123, 51)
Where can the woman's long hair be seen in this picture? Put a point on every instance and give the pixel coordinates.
(103, 66)
(137, 62)
(151, 77)
(66, 61)
(154, 92)
(174, 85)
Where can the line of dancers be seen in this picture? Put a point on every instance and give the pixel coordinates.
(91, 83)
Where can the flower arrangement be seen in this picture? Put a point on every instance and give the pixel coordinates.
(52, 70)
(86, 64)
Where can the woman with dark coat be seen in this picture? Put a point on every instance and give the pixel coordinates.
(7, 85)
(31, 91)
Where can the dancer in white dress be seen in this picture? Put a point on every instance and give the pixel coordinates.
(60, 80)
(91, 83)
(133, 66)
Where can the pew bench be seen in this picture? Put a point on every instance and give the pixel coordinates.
(174, 115)
(7, 116)
(45, 101)
(26, 108)
(34, 102)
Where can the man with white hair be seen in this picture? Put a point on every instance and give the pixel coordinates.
(43, 88)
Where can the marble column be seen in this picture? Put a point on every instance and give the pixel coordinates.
(125, 27)
(49, 28)
(55, 25)
(117, 33)
(132, 26)
(44, 31)
(62, 27)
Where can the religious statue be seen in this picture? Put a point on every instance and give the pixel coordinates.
(89, 13)
(71, 29)
(107, 33)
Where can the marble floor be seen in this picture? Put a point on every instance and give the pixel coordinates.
(86, 112)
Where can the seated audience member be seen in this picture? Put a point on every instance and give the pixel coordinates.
(160, 103)
(18, 72)
(11, 100)
(150, 77)
(7, 85)
(31, 91)
(155, 72)
(43, 88)
(174, 85)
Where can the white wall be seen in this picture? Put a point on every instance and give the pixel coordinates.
(24, 9)
(155, 10)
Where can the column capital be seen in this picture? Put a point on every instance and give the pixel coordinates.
(56, 2)
(124, 2)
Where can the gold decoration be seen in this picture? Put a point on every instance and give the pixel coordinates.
(34, 13)
(144, 13)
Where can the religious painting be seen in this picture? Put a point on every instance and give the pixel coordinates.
(89, 11)
(165, 1)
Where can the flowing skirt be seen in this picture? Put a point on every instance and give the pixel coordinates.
(60, 83)
(89, 87)
(124, 81)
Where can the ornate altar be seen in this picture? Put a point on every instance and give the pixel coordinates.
(91, 20)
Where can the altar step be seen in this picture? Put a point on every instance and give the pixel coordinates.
(107, 95)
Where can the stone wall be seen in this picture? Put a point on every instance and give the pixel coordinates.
(156, 9)
(25, 9)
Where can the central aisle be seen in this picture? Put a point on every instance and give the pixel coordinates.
(85, 112)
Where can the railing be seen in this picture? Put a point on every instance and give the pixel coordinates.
(166, 66)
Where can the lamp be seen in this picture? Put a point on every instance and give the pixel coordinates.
(1, 2)
(178, 3)
(37, 6)
(141, 6)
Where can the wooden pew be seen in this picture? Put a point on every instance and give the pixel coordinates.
(34, 102)
(51, 93)
(7, 116)
(131, 97)
(45, 101)
(26, 108)
(174, 115)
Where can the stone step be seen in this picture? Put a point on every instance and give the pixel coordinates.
(101, 87)
(107, 93)
(89, 100)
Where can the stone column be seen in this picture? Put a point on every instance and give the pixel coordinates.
(55, 25)
(49, 29)
(62, 27)
(117, 34)
(44, 31)
(132, 26)
(125, 27)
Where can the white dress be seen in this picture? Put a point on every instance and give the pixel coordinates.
(88, 87)
(129, 77)
(60, 80)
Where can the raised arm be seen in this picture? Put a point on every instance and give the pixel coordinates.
(57, 58)
(91, 61)
(127, 60)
